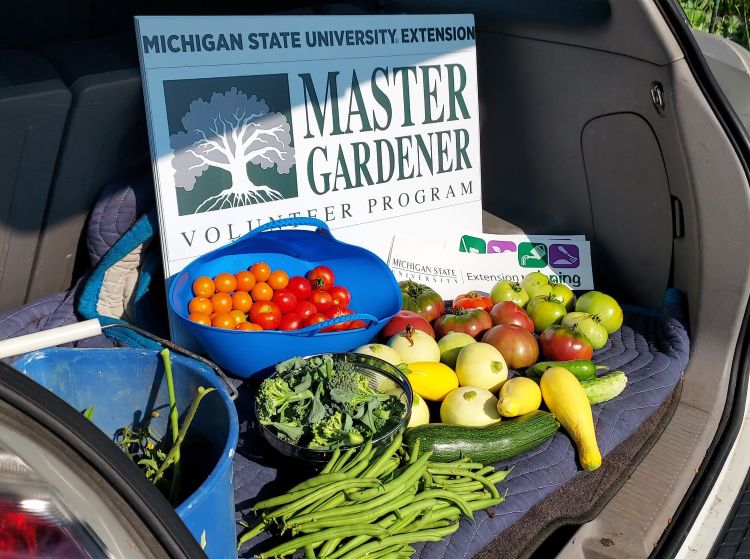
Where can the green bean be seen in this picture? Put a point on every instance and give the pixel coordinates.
(407, 477)
(282, 499)
(499, 476)
(414, 452)
(343, 460)
(457, 465)
(386, 552)
(309, 552)
(448, 496)
(332, 461)
(485, 471)
(363, 455)
(360, 506)
(254, 529)
(320, 493)
(328, 547)
(481, 479)
(374, 469)
(319, 480)
(322, 536)
(485, 503)
(405, 521)
(359, 517)
(353, 543)
(434, 535)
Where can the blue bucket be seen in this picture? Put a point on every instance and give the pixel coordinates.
(124, 386)
(376, 296)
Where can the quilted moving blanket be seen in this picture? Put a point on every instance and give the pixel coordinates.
(652, 348)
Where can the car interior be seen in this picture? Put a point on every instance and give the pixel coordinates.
(593, 122)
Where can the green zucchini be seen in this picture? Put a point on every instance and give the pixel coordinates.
(489, 444)
(604, 388)
(582, 369)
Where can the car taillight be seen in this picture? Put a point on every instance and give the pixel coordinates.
(34, 523)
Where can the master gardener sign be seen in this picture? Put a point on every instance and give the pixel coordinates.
(367, 122)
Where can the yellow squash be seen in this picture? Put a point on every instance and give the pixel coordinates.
(566, 398)
(431, 380)
(518, 396)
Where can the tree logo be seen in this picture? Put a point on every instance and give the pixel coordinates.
(222, 147)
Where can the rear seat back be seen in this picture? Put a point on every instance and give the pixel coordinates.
(105, 138)
(34, 103)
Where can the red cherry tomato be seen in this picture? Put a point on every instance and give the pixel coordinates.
(321, 277)
(316, 318)
(358, 324)
(291, 321)
(340, 296)
(321, 299)
(266, 314)
(305, 309)
(285, 299)
(300, 287)
(334, 312)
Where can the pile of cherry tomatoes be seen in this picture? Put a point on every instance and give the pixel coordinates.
(261, 299)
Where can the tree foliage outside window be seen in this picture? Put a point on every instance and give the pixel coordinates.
(728, 18)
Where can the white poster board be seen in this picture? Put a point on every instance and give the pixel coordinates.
(369, 123)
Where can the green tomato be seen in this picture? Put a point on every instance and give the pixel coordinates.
(563, 292)
(545, 311)
(450, 345)
(505, 290)
(539, 290)
(603, 307)
(534, 279)
(588, 325)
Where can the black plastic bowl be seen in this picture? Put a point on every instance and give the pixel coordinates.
(384, 378)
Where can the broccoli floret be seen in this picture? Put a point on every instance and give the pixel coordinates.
(346, 378)
(330, 432)
(378, 418)
(275, 395)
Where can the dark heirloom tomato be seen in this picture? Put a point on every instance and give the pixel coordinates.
(507, 312)
(321, 277)
(473, 300)
(422, 300)
(560, 343)
(473, 322)
(399, 322)
(518, 346)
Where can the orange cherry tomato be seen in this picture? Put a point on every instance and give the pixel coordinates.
(241, 301)
(200, 318)
(245, 280)
(278, 279)
(225, 282)
(200, 305)
(203, 287)
(238, 316)
(222, 303)
(262, 292)
(261, 271)
(224, 320)
(249, 326)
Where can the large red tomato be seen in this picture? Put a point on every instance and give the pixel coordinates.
(560, 343)
(266, 314)
(473, 300)
(321, 277)
(518, 346)
(422, 300)
(399, 323)
(507, 312)
(474, 322)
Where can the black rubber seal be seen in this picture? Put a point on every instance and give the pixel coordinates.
(93, 446)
